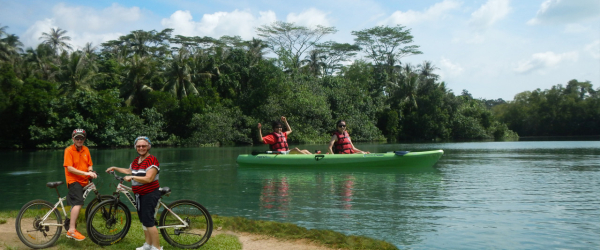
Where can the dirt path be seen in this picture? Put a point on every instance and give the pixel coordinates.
(8, 237)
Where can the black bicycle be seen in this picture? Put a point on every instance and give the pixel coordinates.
(183, 223)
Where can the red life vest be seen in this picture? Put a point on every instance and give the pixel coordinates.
(280, 143)
(342, 145)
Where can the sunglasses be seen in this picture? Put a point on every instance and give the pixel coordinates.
(79, 139)
(277, 127)
(141, 146)
(342, 126)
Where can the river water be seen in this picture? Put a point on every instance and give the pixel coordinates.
(480, 195)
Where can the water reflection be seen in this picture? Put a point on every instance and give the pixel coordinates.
(344, 189)
(275, 195)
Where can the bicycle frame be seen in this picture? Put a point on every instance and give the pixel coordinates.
(127, 192)
(86, 190)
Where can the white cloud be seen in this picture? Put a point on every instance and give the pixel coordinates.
(489, 13)
(434, 12)
(84, 24)
(88, 19)
(31, 36)
(241, 23)
(541, 61)
(593, 49)
(309, 18)
(449, 68)
(566, 11)
(575, 28)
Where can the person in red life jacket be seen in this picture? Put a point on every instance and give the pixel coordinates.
(340, 141)
(144, 181)
(277, 140)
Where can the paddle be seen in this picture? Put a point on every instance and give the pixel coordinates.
(270, 152)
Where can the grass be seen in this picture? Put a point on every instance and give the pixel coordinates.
(288, 231)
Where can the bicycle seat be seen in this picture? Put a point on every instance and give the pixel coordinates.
(164, 190)
(54, 184)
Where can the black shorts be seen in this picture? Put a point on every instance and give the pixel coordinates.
(147, 207)
(75, 195)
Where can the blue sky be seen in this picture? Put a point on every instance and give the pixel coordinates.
(492, 48)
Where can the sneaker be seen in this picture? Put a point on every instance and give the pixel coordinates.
(146, 246)
(154, 248)
(76, 235)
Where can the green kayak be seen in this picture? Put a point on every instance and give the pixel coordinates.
(404, 159)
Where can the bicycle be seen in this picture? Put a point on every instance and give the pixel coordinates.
(37, 217)
(183, 223)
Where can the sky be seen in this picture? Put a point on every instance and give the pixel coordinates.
(491, 48)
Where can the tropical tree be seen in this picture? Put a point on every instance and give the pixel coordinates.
(57, 40)
(139, 74)
(179, 75)
(291, 41)
(335, 54)
(426, 70)
(41, 62)
(10, 46)
(256, 49)
(386, 45)
(313, 63)
(76, 72)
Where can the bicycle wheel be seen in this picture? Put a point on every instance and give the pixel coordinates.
(108, 223)
(29, 224)
(95, 202)
(198, 219)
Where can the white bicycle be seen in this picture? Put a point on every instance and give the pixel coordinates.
(39, 223)
(183, 223)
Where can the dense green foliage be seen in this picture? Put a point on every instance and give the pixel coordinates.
(573, 110)
(204, 91)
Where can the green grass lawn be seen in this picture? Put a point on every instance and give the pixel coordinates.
(135, 236)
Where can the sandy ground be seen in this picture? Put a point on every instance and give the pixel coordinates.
(8, 237)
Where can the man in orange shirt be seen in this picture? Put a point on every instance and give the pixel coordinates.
(78, 170)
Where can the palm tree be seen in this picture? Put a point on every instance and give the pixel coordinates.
(179, 75)
(256, 49)
(10, 47)
(403, 91)
(76, 72)
(426, 70)
(57, 40)
(139, 72)
(41, 62)
(313, 63)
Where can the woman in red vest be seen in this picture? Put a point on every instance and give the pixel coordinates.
(340, 141)
(277, 140)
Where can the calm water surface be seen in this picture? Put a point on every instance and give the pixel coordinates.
(487, 195)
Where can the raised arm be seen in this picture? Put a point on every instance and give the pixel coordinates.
(260, 131)
(289, 129)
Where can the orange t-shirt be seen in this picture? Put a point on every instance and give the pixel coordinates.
(80, 160)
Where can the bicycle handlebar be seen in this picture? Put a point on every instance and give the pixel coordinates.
(116, 176)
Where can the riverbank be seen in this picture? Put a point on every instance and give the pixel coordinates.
(229, 233)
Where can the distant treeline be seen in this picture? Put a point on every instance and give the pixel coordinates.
(194, 91)
(573, 110)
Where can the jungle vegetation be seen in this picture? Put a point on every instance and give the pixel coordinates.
(200, 91)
